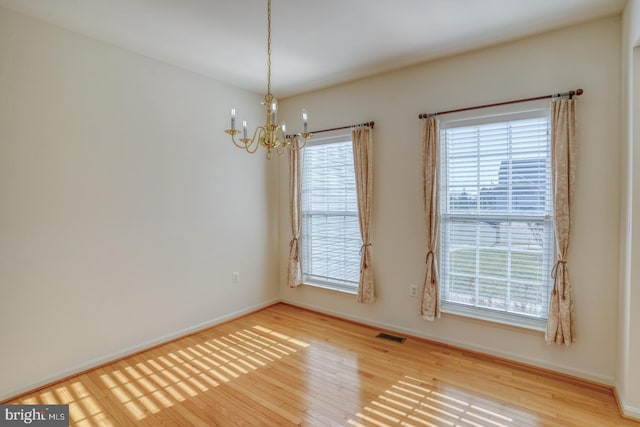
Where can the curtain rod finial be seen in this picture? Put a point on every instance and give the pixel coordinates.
(576, 92)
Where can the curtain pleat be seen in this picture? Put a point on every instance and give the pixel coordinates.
(294, 276)
(560, 325)
(362, 159)
(430, 304)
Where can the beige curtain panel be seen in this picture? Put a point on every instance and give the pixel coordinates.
(363, 163)
(430, 304)
(560, 325)
(294, 276)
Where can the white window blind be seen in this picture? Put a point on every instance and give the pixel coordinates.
(496, 233)
(330, 229)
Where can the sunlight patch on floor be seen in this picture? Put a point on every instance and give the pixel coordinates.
(412, 402)
(187, 368)
(185, 371)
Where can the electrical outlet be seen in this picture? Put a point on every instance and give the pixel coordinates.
(235, 277)
(413, 290)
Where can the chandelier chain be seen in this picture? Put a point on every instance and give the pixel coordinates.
(269, 47)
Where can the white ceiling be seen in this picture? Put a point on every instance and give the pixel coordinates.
(314, 43)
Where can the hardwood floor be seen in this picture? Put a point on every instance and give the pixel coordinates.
(287, 366)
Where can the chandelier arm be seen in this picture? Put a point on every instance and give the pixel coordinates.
(255, 139)
(245, 143)
(284, 139)
(300, 146)
(233, 138)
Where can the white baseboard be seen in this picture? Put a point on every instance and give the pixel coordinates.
(600, 379)
(627, 410)
(65, 373)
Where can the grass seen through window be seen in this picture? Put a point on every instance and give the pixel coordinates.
(506, 280)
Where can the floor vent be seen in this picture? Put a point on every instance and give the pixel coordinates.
(391, 337)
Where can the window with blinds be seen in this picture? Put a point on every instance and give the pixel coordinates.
(330, 229)
(496, 232)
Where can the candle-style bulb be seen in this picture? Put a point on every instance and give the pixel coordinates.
(283, 125)
(274, 111)
(244, 128)
(233, 118)
(305, 119)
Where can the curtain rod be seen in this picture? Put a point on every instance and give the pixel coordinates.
(368, 124)
(570, 94)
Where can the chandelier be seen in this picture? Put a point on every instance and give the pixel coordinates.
(272, 135)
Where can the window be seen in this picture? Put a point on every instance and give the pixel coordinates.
(330, 229)
(496, 213)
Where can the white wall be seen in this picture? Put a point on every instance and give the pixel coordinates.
(585, 56)
(124, 208)
(628, 379)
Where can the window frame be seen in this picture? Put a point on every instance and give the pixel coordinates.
(335, 284)
(496, 115)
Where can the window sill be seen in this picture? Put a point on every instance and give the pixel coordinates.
(488, 315)
(330, 288)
